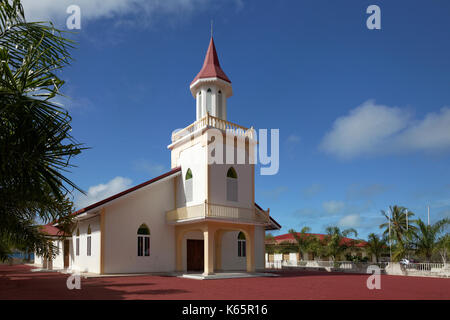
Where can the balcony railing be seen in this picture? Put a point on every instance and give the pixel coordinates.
(210, 121)
(220, 212)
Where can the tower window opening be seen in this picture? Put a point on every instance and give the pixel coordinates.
(209, 100)
(220, 111)
(232, 185)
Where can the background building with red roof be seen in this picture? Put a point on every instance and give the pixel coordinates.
(286, 245)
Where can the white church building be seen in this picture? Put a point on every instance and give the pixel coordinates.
(198, 217)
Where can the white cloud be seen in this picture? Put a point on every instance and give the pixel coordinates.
(333, 206)
(377, 129)
(430, 134)
(102, 191)
(39, 10)
(364, 130)
(350, 221)
(56, 9)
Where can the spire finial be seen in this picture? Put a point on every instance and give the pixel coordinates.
(211, 28)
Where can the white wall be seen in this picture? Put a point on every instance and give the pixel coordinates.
(218, 186)
(83, 262)
(244, 171)
(58, 261)
(260, 248)
(293, 257)
(195, 159)
(122, 220)
(230, 259)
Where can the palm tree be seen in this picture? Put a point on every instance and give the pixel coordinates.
(335, 246)
(376, 246)
(317, 246)
(444, 247)
(427, 241)
(400, 229)
(35, 141)
(302, 240)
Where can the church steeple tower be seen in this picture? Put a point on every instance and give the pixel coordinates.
(211, 87)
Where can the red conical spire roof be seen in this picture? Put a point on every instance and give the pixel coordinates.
(211, 66)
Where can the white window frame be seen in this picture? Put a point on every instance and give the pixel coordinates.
(143, 243)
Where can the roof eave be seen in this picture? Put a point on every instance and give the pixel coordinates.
(211, 80)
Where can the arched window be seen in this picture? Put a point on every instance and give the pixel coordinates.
(241, 245)
(231, 173)
(77, 243)
(89, 241)
(209, 100)
(189, 185)
(143, 239)
(232, 185)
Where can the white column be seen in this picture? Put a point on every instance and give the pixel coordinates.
(198, 101)
(224, 106)
(203, 106)
(215, 100)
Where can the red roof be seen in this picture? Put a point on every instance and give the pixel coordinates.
(211, 66)
(50, 230)
(290, 238)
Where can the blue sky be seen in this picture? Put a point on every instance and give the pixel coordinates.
(364, 115)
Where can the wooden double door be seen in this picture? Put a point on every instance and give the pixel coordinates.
(195, 255)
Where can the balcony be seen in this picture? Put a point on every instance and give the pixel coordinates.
(217, 212)
(209, 121)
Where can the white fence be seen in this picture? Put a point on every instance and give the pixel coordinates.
(339, 265)
(424, 266)
(417, 269)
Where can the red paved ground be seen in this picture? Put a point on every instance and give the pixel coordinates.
(17, 282)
